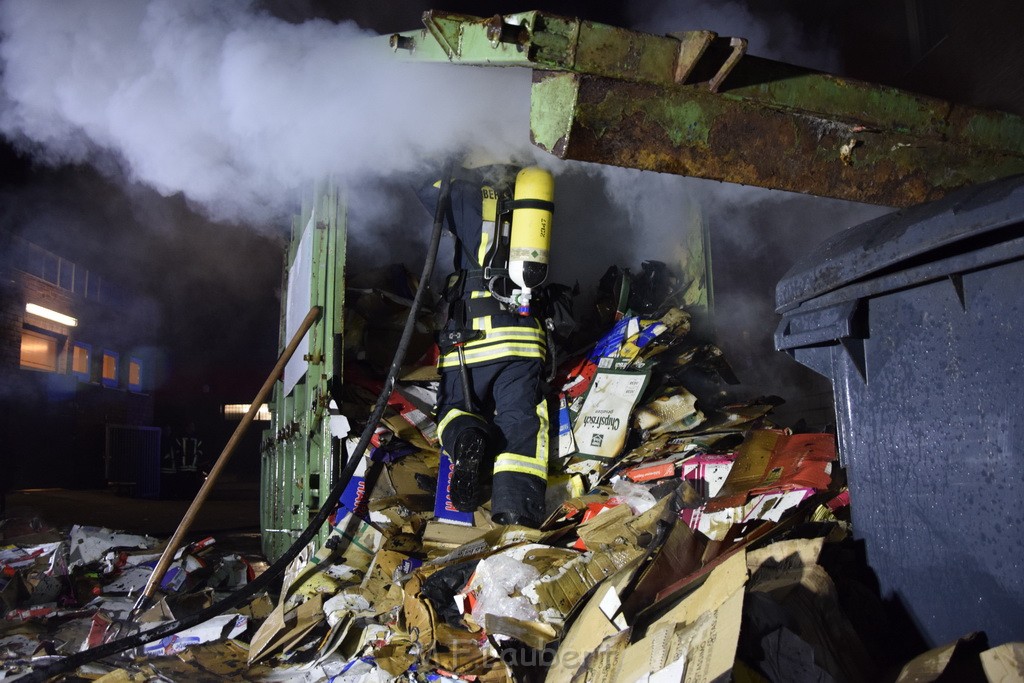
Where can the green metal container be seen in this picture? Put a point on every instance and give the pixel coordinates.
(299, 454)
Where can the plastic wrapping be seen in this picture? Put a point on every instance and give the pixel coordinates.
(636, 496)
(497, 583)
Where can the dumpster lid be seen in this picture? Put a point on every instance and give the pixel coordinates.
(910, 236)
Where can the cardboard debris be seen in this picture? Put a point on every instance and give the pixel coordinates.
(765, 507)
(674, 412)
(789, 574)
(217, 628)
(686, 538)
(956, 661)
(1004, 663)
(602, 421)
(93, 578)
(772, 460)
(222, 659)
(89, 544)
(693, 641)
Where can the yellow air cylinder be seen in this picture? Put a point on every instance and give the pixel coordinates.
(530, 242)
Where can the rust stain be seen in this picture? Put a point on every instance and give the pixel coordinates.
(637, 126)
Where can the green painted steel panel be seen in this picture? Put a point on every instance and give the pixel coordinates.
(299, 454)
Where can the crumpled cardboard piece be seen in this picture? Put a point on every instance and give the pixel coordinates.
(716, 522)
(956, 661)
(215, 628)
(123, 676)
(787, 572)
(283, 627)
(414, 479)
(737, 416)
(89, 544)
(418, 614)
(341, 614)
(771, 460)
(618, 525)
(325, 571)
(679, 554)
(492, 541)
(694, 641)
(461, 651)
(259, 608)
(415, 404)
(649, 340)
(1004, 663)
(536, 634)
(709, 472)
(606, 527)
(395, 658)
(567, 577)
(673, 446)
(386, 565)
(158, 613)
(671, 412)
(444, 537)
(17, 557)
(222, 659)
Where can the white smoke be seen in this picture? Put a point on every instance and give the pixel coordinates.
(232, 107)
(237, 110)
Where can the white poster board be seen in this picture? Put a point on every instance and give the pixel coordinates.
(298, 302)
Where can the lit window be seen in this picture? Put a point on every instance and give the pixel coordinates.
(109, 369)
(38, 351)
(81, 355)
(134, 374)
(236, 411)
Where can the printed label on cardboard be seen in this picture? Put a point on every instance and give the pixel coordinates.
(444, 508)
(354, 498)
(603, 421)
(566, 442)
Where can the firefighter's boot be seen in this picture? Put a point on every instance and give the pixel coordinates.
(467, 457)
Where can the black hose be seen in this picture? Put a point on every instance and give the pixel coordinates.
(246, 593)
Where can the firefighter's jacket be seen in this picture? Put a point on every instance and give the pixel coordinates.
(503, 335)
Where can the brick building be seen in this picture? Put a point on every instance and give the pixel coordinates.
(74, 379)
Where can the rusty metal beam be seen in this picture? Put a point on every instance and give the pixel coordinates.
(695, 132)
(694, 104)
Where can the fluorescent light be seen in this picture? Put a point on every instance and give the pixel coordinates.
(236, 411)
(36, 309)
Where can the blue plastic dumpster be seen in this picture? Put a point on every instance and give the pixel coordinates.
(917, 319)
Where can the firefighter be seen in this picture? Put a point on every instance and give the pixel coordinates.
(491, 409)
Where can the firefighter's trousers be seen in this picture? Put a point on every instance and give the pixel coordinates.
(510, 406)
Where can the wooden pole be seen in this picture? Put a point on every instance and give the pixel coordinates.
(186, 522)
